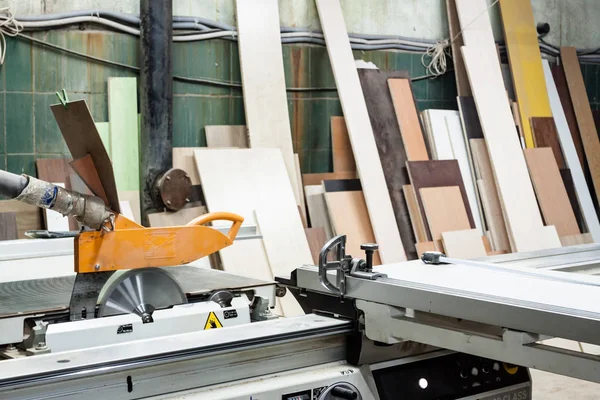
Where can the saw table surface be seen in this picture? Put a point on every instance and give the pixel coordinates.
(37, 296)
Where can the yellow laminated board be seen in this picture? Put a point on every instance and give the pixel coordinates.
(525, 63)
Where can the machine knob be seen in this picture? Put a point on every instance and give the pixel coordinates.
(369, 249)
(343, 393)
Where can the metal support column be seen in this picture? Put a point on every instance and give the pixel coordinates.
(156, 97)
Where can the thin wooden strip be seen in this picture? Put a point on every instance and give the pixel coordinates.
(515, 189)
(544, 130)
(226, 136)
(464, 244)
(8, 226)
(316, 240)
(444, 209)
(263, 80)
(416, 218)
(462, 80)
(493, 215)
(317, 210)
(551, 193)
(177, 218)
(343, 159)
(583, 113)
(349, 216)
(574, 240)
(525, 63)
(124, 134)
(567, 180)
(28, 217)
(300, 188)
(571, 158)
(365, 151)
(408, 119)
(317, 179)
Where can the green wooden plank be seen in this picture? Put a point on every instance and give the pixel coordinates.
(124, 132)
(104, 131)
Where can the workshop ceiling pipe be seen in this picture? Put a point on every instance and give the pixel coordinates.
(156, 97)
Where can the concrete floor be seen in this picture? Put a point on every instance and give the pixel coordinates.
(547, 386)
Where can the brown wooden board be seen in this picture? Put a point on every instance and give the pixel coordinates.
(85, 168)
(8, 226)
(316, 239)
(56, 170)
(79, 131)
(317, 179)
(550, 190)
(437, 173)
(470, 118)
(565, 98)
(343, 158)
(567, 179)
(462, 80)
(28, 217)
(545, 134)
(389, 146)
(445, 210)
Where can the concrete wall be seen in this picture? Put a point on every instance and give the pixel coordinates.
(573, 22)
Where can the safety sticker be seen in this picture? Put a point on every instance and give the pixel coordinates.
(212, 322)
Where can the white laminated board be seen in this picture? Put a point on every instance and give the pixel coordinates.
(571, 159)
(377, 198)
(476, 28)
(263, 80)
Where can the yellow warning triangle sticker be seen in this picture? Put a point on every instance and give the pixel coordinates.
(212, 322)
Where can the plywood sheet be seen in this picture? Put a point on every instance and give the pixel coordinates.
(429, 246)
(226, 136)
(183, 158)
(408, 119)
(28, 217)
(571, 157)
(124, 132)
(368, 163)
(82, 138)
(317, 210)
(389, 143)
(515, 189)
(343, 159)
(445, 210)
(464, 244)
(544, 130)
(583, 113)
(349, 216)
(177, 218)
(8, 226)
(317, 179)
(462, 80)
(551, 193)
(416, 218)
(525, 60)
(574, 240)
(263, 80)
(316, 240)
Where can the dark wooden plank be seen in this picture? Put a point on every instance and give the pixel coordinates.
(82, 138)
(437, 173)
(342, 185)
(317, 179)
(389, 146)
(57, 170)
(29, 218)
(8, 226)
(470, 118)
(567, 179)
(86, 170)
(545, 134)
(565, 98)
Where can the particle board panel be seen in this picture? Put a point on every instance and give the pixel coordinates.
(444, 209)
(462, 80)
(515, 190)
(183, 158)
(368, 162)
(226, 136)
(470, 119)
(316, 240)
(28, 217)
(574, 240)
(583, 113)
(82, 138)
(177, 218)
(263, 81)
(8, 226)
(317, 179)
(493, 214)
(463, 244)
(551, 193)
(525, 60)
(572, 160)
(317, 209)
(567, 180)
(343, 159)
(408, 119)
(389, 142)
(544, 130)
(422, 247)
(437, 173)
(124, 132)
(416, 218)
(562, 89)
(349, 216)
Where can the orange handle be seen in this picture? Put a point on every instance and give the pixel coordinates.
(215, 216)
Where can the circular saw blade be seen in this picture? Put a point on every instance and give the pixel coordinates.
(139, 291)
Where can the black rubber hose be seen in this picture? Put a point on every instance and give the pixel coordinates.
(11, 185)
